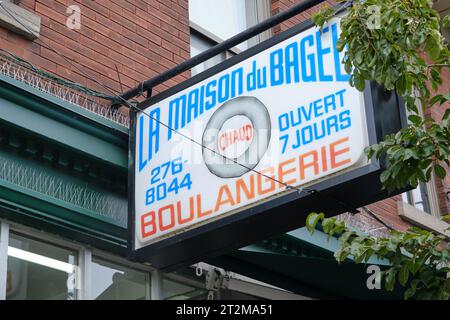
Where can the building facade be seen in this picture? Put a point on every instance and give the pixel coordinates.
(64, 157)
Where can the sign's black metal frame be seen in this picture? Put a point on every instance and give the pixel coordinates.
(356, 188)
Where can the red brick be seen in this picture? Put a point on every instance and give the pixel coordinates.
(51, 13)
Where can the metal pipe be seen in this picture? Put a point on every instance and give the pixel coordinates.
(157, 285)
(221, 47)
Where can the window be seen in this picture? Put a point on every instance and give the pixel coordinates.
(424, 197)
(223, 19)
(33, 267)
(113, 282)
(215, 21)
(174, 290)
(199, 44)
(39, 270)
(418, 197)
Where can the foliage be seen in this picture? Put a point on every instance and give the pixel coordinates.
(412, 151)
(417, 261)
(398, 44)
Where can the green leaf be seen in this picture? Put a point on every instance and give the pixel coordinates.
(345, 237)
(446, 21)
(385, 176)
(440, 171)
(413, 266)
(427, 276)
(417, 120)
(436, 99)
(341, 255)
(403, 275)
(328, 225)
(406, 55)
(359, 82)
(433, 47)
(312, 220)
(446, 114)
(322, 17)
(409, 293)
(340, 44)
(390, 279)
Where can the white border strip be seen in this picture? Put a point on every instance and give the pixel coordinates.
(4, 236)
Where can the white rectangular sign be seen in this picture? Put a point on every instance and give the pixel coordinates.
(286, 114)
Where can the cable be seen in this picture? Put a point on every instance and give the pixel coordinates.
(7, 55)
(300, 190)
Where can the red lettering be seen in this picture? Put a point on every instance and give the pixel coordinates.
(228, 199)
(283, 172)
(324, 159)
(227, 139)
(334, 153)
(191, 212)
(249, 192)
(171, 209)
(148, 220)
(305, 165)
(261, 189)
(201, 214)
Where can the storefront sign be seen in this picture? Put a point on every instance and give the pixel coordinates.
(245, 133)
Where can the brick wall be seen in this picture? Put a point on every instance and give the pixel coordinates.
(278, 6)
(141, 37)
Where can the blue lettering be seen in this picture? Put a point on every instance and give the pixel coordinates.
(179, 104)
(320, 53)
(142, 162)
(345, 119)
(284, 140)
(340, 94)
(318, 135)
(295, 122)
(298, 140)
(317, 108)
(210, 94)
(308, 130)
(291, 57)
(329, 101)
(202, 99)
(153, 132)
(223, 88)
(332, 122)
(337, 60)
(312, 62)
(251, 78)
(276, 68)
(237, 74)
(307, 116)
(262, 78)
(192, 105)
(284, 125)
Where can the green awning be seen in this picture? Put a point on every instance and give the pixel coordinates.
(304, 264)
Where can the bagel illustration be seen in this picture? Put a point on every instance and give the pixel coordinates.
(256, 112)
